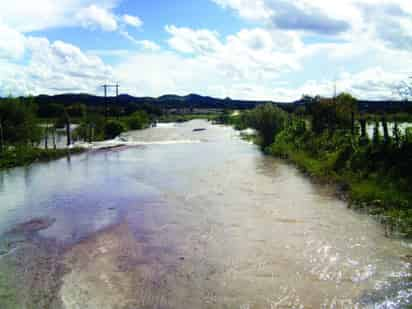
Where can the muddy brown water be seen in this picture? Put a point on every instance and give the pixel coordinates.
(185, 219)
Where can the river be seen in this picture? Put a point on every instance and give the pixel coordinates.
(184, 219)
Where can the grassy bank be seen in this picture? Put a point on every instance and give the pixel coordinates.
(380, 191)
(20, 156)
(375, 175)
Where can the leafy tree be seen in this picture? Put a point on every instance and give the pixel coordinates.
(333, 114)
(396, 134)
(138, 120)
(113, 128)
(323, 115)
(376, 134)
(268, 120)
(18, 122)
(386, 137)
(76, 110)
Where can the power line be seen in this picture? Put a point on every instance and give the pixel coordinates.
(106, 87)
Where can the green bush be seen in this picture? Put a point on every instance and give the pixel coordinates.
(138, 120)
(268, 120)
(113, 128)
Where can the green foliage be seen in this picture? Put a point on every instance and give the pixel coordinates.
(76, 110)
(91, 128)
(376, 176)
(18, 122)
(138, 120)
(50, 110)
(113, 128)
(268, 120)
(333, 114)
(396, 133)
(25, 155)
(376, 134)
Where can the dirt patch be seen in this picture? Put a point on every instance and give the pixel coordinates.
(32, 226)
(33, 276)
(106, 271)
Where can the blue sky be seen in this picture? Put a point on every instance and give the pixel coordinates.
(260, 49)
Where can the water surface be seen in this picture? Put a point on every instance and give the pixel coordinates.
(183, 219)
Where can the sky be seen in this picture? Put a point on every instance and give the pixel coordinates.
(243, 49)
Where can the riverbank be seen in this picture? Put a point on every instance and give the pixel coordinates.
(360, 173)
(21, 156)
(370, 171)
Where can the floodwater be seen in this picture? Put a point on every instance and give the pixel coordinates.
(370, 128)
(184, 219)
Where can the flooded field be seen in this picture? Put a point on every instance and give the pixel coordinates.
(177, 218)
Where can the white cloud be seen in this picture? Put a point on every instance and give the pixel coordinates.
(94, 16)
(149, 45)
(290, 48)
(254, 52)
(11, 43)
(373, 83)
(301, 15)
(133, 21)
(187, 40)
(244, 65)
(27, 16)
(54, 68)
(390, 20)
(250, 9)
(145, 44)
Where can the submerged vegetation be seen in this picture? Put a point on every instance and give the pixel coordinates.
(329, 144)
(28, 131)
(25, 155)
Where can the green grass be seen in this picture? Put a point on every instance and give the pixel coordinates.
(24, 155)
(377, 194)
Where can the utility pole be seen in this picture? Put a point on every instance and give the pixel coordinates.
(106, 87)
(105, 101)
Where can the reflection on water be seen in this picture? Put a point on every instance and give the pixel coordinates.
(208, 223)
(391, 125)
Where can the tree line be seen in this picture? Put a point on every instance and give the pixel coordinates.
(328, 139)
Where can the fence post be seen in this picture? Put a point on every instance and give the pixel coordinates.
(1, 137)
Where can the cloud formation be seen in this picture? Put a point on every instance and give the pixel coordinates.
(54, 68)
(94, 16)
(283, 49)
(133, 21)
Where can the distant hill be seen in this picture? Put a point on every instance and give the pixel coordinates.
(165, 101)
(171, 101)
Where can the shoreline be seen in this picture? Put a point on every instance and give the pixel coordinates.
(348, 189)
(26, 156)
(347, 186)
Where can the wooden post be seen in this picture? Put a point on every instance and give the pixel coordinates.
(90, 133)
(54, 138)
(1, 136)
(46, 137)
(69, 140)
(385, 129)
(363, 127)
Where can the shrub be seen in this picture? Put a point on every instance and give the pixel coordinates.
(113, 128)
(138, 120)
(268, 120)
